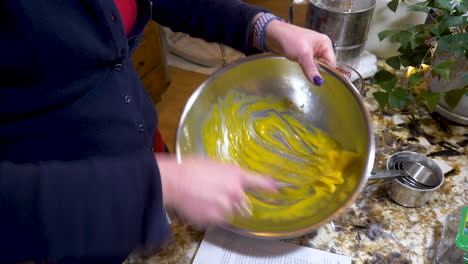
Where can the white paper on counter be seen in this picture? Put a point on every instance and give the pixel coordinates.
(224, 247)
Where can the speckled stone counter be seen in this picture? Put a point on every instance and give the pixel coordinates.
(375, 229)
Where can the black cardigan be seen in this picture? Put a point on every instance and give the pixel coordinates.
(77, 174)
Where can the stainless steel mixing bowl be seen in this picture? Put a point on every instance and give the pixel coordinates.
(336, 107)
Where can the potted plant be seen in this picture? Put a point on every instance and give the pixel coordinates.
(428, 53)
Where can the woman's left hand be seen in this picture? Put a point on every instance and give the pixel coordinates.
(300, 45)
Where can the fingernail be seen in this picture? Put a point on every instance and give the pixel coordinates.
(318, 80)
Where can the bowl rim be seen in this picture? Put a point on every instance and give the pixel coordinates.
(369, 163)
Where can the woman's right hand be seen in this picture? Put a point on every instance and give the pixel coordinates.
(301, 45)
(205, 192)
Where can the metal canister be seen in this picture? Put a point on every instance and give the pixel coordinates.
(345, 22)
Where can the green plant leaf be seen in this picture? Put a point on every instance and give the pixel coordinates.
(442, 4)
(452, 21)
(443, 28)
(454, 43)
(434, 29)
(395, 37)
(381, 98)
(454, 96)
(415, 79)
(420, 57)
(456, 48)
(393, 5)
(394, 102)
(389, 85)
(404, 37)
(463, 7)
(385, 79)
(432, 100)
(400, 92)
(465, 77)
(383, 34)
(417, 28)
(383, 76)
(394, 62)
(419, 7)
(406, 27)
(399, 98)
(448, 21)
(404, 61)
(443, 43)
(443, 69)
(410, 57)
(421, 38)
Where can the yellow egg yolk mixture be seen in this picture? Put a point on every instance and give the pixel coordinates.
(268, 136)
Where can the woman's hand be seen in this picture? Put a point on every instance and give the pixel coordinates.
(301, 45)
(205, 192)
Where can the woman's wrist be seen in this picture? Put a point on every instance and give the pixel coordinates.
(168, 167)
(273, 37)
(259, 27)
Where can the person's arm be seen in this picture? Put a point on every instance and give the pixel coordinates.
(224, 21)
(232, 22)
(205, 192)
(98, 207)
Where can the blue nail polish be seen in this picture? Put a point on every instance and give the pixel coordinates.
(318, 80)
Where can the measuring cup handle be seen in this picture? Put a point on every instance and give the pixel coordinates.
(382, 176)
(291, 9)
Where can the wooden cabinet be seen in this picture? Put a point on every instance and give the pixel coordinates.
(150, 62)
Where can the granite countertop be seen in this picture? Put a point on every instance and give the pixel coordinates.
(375, 229)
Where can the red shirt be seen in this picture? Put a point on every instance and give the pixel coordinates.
(128, 12)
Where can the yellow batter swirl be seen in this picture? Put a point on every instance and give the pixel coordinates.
(267, 135)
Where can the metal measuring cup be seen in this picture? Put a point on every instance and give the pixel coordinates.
(405, 192)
